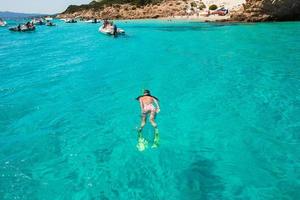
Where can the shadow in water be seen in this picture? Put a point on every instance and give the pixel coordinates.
(187, 28)
(200, 182)
(181, 28)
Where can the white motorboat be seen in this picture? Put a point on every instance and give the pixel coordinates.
(48, 18)
(93, 21)
(22, 28)
(3, 23)
(110, 31)
(71, 21)
(39, 21)
(49, 23)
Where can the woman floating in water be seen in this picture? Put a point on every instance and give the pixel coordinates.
(149, 105)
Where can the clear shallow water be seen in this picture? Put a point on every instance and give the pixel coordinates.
(229, 121)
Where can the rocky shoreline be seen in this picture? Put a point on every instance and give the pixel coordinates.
(250, 11)
(129, 11)
(268, 10)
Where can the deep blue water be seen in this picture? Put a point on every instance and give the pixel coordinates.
(229, 122)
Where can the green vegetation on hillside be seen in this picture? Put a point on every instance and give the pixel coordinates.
(213, 7)
(99, 5)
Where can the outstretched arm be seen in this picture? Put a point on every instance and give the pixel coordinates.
(141, 105)
(157, 105)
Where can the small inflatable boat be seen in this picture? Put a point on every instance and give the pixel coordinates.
(71, 21)
(3, 23)
(22, 28)
(93, 21)
(50, 24)
(110, 31)
(48, 18)
(38, 22)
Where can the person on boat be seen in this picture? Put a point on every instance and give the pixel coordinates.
(149, 106)
(49, 23)
(115, 29)
(105, 23)
(28, 25)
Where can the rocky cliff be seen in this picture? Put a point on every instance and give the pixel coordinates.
(268, 10)
(127, 10)
(250, 11)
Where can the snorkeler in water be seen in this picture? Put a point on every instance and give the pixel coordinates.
(149, 106)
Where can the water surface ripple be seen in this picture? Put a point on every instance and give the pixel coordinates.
(229, 121)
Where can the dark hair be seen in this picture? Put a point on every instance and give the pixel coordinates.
(146, 91)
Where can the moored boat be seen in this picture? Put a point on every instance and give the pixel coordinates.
(48, 18)
(22, 28)
(50, 24)
(109, 28)
(93, 21)
(70, 21)
(2, 23)
(39, 21)
(110, 31)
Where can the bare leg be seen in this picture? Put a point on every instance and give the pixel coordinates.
(156, 134)
(152, 118)
(142, 143)
(143, 122)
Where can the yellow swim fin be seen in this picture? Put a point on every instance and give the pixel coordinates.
(142, 144)
(156, 139)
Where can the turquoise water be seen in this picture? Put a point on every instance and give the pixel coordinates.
(229, 122)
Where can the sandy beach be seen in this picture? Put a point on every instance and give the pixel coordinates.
(211, 18)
